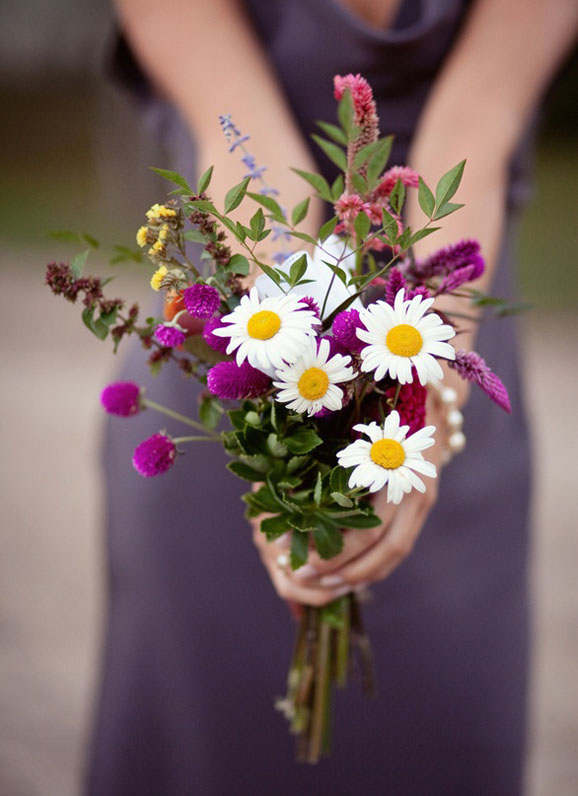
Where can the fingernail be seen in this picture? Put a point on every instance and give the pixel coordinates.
(283, 541)
(305, 572)
(331, 580)
(341, 592)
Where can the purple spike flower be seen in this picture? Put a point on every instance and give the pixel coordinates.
(449, 259)
(455, 280)
(233, 382)
(395, 282)
(217, 343)
(154, 456)
(345, 328)
(471, 367)
(201, 301)
(121, 398)
(169, 336)
(421, 290)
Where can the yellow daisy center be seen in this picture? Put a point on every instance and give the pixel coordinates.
(263, 325)
(313, 384)
(387, 453)
(404, 340)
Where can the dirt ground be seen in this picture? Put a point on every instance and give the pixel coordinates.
(50, 566)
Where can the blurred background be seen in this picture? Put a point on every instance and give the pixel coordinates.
(73, 156)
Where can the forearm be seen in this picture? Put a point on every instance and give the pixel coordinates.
(205, 58)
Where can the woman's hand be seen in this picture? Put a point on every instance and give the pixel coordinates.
(368, 555)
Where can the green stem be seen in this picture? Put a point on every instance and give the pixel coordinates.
(343, 647)
(176, 416)
(196, 439)
(320, 696)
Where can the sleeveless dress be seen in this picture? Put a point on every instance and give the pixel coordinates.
(198, 642)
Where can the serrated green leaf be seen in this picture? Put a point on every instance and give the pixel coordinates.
(316, 181)
(299, 549)
(327, 228)
(302, 441)
(173, 176)
(277, 448)
(334, 152)
(236, 194)
(299, 212)
(296, 462)
(245, 472)
(446, 210)
(78, 263)
(449, 184)
(342, 500)
(397, 197)
(204, 180)
(303, 522)
(426, 198)
(274, 527)
(362, 225)
(333, 131)
(328, 539)
(361, 521)
(338, 479)
(317, 492)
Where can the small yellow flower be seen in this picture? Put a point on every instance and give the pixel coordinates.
(167, 212)
(160, 212)
(164, 232)
(158, 276)
(141, 236)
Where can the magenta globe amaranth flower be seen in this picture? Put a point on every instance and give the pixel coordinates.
(155, 455)
(233, 382)
(121, 398)
(169, 336)
(217, 343)
(345, 328)
(201, 301)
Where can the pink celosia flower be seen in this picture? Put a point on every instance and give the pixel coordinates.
(409, 177)
(364, 107)
(449, 259)
(395, 282)
(410, 404)
(348, 207)
(233, 382)
(201, 301)
(473, 368)
(169, 336)
(456, 279)
(121, 398)
(155, 455)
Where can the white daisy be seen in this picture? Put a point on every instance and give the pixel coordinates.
(390, 458)
(322, 277)
(268, 333)
(310, 384)
(403, 335)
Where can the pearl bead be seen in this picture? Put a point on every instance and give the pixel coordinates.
(457, 442)
(455, 419)
(449, 395)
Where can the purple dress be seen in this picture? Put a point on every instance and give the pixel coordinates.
(197, 641)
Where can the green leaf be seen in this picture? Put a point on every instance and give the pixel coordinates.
(378, 160)
(78, 263)
(360, 184)
(338, 479)
(316, 181)
(236, 195)
(345, 113)
(302, 441)
(296, 462)
(303, 236)
(426, 198)
(317, 492)
(362, 225)
(203, 205)
(397, 196)
(204, 180)
(247, 473)
(269, 204)
(333, 131)
(327, 228)
(277, 448)
(328, 539)
(404, 239)
(446, 209)
(361, 521)
(209, 413)
(96, 326)
(390, 225)
(297, 270)
(449, 184)
(337, 187)
(274, 527)
(272, 273)
(299, 549)
(194, 235)
(299, 212)
(334, 153)
(342, 500)
(422, 233)
(262, 500)
(173, 176)
(304, 522)
(377, 149)
(195, 345)
(257, 224)
(334, 613)
(339, 272)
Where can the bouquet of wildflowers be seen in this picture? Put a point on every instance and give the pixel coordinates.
(321, 367)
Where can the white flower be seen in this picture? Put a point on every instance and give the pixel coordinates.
(401, 336)
(310, 384)
(389, 458)
(320, 275)
(268, 333)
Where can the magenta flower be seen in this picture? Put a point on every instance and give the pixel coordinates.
(154, 456)
(121, 398)
(310, 304)
(410, 404)
(449, 259)
(456, 279)
(395, 282)
(201, 301)
(364, 107)
(217, 343)
(348, 207)
(345, 328)
(233, 382)
(473, 368)
(409, 178)
(169, 336)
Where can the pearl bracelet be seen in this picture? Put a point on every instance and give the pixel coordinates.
(455, 421)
